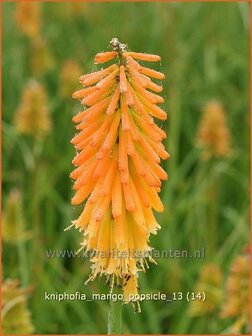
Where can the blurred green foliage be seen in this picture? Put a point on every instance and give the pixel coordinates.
(205, 55)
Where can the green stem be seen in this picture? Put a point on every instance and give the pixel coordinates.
(115, 318)
(21, 246)
(213, 194)
(23, 262)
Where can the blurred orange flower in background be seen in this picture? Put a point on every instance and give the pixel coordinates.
(28, 17)
(41, 60)
(237, 304)
(213, 134)
(209, 282)
(13, 222)
(16, 317)
(70, 70)
(32, 115)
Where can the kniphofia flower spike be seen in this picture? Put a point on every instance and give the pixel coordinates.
(118, 173)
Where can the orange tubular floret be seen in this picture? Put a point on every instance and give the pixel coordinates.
(128, 96)
(138, 108)
(84, 186)
(104, 57)
(82, 193)
(84, 154)
(160, 131)
(155, 200)
(121, 233)
(100, 134)
(83, 143)
(129, 143)
(110, 174)
(84, 126)
(95, 77)
(81, 184)
(146, 171)
(131, 61)
(84, 134)
(124, 175)
(125, 115)
(159, 149)
(77, 172)
(151, 221)
(128, 197)
(154, 87)
(157, 170)
(103, 236)
(151, 73)
(137, 214)
(84, 92)
(84, 218)
(147, 129)
(116, 197)
(92, 111)
(143, 57)
(101, 207)
(95, 195)
(137, 161)
(109, 178)
(152, 97)
(123, 80)
(123, 158)
(140, 189)
(86, 177)
(107, 81)
(111, 136)
(152, 179)
(149, 150)
(114, 101)
(133, 129)
(154, 110)
(102, 166)
(137, 77)
(96, 96)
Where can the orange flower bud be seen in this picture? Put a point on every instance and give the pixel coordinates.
(105, 57)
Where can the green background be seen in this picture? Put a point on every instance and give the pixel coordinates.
(205, 55)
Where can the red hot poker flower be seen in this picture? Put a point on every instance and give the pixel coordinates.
(118, 173)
